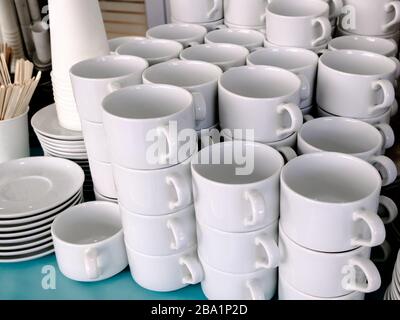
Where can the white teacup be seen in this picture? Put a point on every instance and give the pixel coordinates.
(239, 253)
(160, 235)
(370, 17)
(343, 73)
(89, 241)
(250, 39)
(245, 13)
(329, 202)
(241, 195)
(173, 186)
(96, 141)
(318, 49)
(197, 11)
(301, 62)
(103, 178)
(153, 50)
(218, 285)
(117, 42)
(185, 33)
(199, 78)
(327, 275)
(262, 98)
(144, 123)
(223, 55)
(382, 46)
(92, 80)
(350, 136)
(165, 273)
(303, 24)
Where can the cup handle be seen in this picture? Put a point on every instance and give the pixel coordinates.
(200, 106)
(387, 134)
(370, 271)
(214, 9)
(256, 292)
(398, 66)
(388, 7)
(337, 7)
(91, 263)
(394, 109)
(305, 87)
(386, 168)
(390, 207)
(288, 153)
(375, 225)
(182, 191)
(326, 30)
(271, 251)
(296, 116)
(196, 273)
(388, 92)
(172, 145)
(178, 235)
(257, 207)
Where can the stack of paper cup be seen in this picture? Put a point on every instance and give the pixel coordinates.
(82, 37)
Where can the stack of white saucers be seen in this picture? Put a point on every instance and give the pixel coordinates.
(33, 191)
(393, 292)
(59, 142)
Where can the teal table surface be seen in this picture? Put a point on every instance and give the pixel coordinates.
(42, 280)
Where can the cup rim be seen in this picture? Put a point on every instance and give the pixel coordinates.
(177, 25)
(366, 39)
(323, 9)
(169, 216)
(236, 31)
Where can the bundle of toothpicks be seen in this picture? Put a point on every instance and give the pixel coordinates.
(16, 95)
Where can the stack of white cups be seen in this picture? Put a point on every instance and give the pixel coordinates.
(236, 194)
(243, 14)
(208, 13)
(83, 37)
(92, 80)
(153, 180)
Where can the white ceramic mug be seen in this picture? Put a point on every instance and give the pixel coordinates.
(370, 17)
(261, 98)
(218, 285)
(103, 178)
(236, 186)
(245, 13)
(223, 55)
(344, 72)
(172, 186)
(92, 80)
(350, 136)
(382, 46)
(186, 34)
(239, 253)
(89, 241)
(96, 141)
(303, 24)
(250, 39)
(199, 78)
(196, 11)
(301, 62)
(143, 124)
(153, 50)
(160, 235)
(329, 202)
(165, 273)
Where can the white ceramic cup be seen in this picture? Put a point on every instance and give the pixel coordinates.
(160, 235)
(92, 80)
(350, 136)
(172, 186)
(327, 275)
(329, 202)
(185, 33)
(199, 78)
(115, 43)
(301, 62)
(14, 138)
(303, 24)
(153, 50)
(165, 273)
(250, 39)
(210, 26)
(236, 185)
(89, 241)
(239, 253)
(344, 72)
(96, 141)
(263, 98)
(382, 46)
(370, 17)
(223, 55)
(103, 178)
(218, 285)
(245, 13)
(144, 123)
(196, 11)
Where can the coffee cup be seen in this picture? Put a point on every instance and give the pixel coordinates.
(386, 47)
(197, 11)
(245, 13)
(250, 39)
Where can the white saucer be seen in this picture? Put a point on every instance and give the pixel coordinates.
(24, 239)
(26, 245)
(71, 157)
(28, 257)
(11, 253)
(60, 143)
